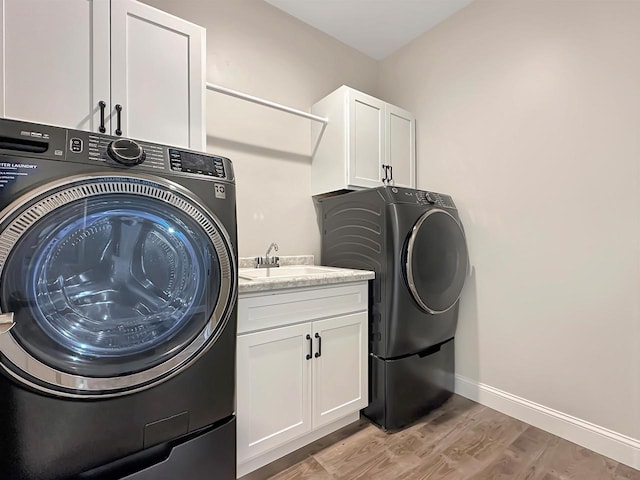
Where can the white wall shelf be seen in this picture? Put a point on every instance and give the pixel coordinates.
(274, 105)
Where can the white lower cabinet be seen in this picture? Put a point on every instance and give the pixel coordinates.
(304, 378)
(274, 388)
(339, 386)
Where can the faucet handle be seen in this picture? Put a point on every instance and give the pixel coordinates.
(267, 261)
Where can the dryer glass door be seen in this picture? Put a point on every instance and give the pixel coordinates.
(436, 261)
(115, 283)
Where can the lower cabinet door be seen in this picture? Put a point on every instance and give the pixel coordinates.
(340, 367)
(274, 388)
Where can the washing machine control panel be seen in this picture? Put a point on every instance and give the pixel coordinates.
(35, 141)
(154, 157)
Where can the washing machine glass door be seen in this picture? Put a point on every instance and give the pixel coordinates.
(115, 282)
(436, 261)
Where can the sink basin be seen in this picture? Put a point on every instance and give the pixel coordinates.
(280, 272)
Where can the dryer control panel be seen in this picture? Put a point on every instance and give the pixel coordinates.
(432, 198)
(420, 197)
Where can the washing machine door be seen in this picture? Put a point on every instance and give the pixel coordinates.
(114, 283)
(436, 261)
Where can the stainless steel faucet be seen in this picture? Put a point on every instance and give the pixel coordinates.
(267, 261)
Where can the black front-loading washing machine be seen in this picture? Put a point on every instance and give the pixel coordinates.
(118, 288)
(415, 243)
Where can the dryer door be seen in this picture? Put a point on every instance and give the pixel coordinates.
(436, 261)
(115, 282)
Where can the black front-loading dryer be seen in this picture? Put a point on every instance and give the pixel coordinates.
(118, 287)
(415, 243)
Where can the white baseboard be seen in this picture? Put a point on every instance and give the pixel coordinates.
(612, 444)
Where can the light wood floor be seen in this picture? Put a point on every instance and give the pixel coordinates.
(460, 440)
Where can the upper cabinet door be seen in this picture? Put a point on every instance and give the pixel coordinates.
(55, 58)
(401, 152)
(157, 75)
(366, 139)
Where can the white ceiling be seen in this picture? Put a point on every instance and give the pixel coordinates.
(377, 28)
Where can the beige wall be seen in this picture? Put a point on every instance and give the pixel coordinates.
(529, 115)
(256, 49)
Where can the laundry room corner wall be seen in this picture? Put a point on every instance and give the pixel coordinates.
(255, 48)
(528, 114)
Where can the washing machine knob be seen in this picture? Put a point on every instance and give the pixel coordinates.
(127, 152)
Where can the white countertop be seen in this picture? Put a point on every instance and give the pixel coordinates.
(300, 274)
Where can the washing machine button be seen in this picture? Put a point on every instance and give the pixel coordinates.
(126, 152)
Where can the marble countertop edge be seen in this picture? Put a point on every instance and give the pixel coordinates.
(335, 276)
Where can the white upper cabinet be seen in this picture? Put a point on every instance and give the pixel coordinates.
(367, 143)
(400, 146)
(50, 51)
(67, 61)
(158, 74)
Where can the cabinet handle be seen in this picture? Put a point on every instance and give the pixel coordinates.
(310, 346)
(384, 169)
(390, 173)
(118, 119)
(319, 352)
(102, 106)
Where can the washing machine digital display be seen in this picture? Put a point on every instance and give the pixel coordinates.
(190, 162)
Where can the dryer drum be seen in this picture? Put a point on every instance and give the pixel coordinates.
(436, 261)
(116, 283)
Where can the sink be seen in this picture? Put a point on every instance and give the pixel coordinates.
(280, 272)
